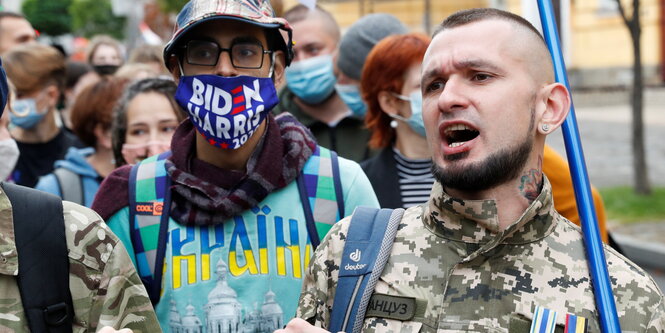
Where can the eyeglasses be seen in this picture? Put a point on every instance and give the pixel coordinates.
(246, 55)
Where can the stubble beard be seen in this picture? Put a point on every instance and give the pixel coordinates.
(497, 169)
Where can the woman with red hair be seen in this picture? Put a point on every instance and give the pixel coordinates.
(390, 84)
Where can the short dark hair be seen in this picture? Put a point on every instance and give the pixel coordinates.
(300, 12)
(464, 17)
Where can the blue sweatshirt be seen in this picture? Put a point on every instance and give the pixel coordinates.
(245, 274)
(75, 161)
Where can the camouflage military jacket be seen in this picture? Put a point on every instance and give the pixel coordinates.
(105, 289)
(456, 271)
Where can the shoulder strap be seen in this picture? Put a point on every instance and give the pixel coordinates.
(43, 263)
(366, 252)
(149, 197)
(320, 190)
(337, 182)
(71, 186)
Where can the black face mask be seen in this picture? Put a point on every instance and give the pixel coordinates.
(105, 69)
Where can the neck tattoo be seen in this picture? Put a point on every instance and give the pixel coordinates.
(532, 182)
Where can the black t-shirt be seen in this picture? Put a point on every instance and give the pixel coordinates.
(37, 159)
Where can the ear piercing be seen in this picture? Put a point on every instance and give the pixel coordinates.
(546, 128)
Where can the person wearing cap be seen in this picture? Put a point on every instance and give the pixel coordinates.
(353, 50)
(101, 283)
(235, 243)
(310, 95)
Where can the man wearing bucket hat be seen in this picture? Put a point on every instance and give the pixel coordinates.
(217, 226)
(61, 268)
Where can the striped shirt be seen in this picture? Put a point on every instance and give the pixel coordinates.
(415, 179)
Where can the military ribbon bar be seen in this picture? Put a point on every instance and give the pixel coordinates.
(575, 324)
(544, 320)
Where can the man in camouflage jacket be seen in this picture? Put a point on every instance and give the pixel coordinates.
(105, 289)
(488, 248)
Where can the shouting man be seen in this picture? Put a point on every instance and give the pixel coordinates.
(487, 252)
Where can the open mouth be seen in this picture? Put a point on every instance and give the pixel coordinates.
(459, 134)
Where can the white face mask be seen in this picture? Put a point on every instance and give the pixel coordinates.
(8, 157)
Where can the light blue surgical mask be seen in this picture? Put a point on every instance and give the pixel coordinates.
(416, 123)
(312, 80)
(25, 114)
(350, 94)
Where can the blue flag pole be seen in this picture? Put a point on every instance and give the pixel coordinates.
(609, 321)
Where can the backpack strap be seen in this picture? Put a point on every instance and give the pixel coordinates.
(71, 186)
(321, 195)
(43, 262)
(149, 197)
(366, 252)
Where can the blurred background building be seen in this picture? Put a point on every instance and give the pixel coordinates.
(595, 40)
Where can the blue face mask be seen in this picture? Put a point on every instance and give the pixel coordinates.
(350, 94)
(25, 114)
(312, 80)
(226, 110)
(416, 123)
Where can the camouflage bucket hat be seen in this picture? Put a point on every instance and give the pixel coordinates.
(257, 12)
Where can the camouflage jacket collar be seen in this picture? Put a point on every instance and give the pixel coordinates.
(8, 253)
(477, 222)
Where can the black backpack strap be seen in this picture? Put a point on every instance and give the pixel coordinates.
(71, 186)
(307, 210)
(337, 183)
(43, 263)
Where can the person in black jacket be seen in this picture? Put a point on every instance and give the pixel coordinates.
(390, 83)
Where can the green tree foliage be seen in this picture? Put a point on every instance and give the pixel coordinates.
(171, 6)
(50, 17)
(94, 17)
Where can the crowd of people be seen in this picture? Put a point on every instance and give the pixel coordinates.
(210, 185)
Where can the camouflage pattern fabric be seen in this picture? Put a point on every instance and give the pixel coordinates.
(466, 275)
(105, 288)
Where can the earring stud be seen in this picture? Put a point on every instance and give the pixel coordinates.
(546, 128)
(393, 124)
